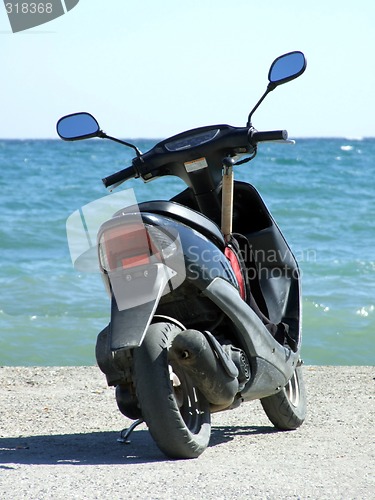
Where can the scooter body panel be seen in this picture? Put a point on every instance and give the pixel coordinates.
(273, 271)
(272, 363)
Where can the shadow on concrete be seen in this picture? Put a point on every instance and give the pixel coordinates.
(100, 448)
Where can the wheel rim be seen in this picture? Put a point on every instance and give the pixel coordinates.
(292, 390)
(187, 399)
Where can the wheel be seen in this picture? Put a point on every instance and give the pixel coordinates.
(177, 414)
(287, 409)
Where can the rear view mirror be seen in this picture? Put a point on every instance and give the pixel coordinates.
(283, 69)
(78, 126)
(286, 67)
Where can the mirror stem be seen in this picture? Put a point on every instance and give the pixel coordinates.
(271, 86)
(103, 135)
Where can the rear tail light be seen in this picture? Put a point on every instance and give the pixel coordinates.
(166, 242)
(127, 246)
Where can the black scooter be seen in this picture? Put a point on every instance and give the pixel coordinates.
(205, 291)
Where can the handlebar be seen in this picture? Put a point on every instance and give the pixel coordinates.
(237, 135)
(118, 177)
(270, 135)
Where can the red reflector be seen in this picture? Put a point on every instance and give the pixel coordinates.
(233, 259)
(137, 260)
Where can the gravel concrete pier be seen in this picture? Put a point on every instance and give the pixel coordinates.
(58, 431)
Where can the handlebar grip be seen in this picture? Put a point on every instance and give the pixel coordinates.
(122, 175)
(269, 135)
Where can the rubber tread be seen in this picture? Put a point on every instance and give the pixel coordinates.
(155, 394)
(281, 412)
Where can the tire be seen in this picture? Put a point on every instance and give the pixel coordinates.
(177, 414)
(287, 409)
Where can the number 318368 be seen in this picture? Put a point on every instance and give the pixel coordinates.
(29, 8)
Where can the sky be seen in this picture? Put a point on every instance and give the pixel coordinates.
(152, 69)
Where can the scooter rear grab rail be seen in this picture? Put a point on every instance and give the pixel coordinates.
(253, 138)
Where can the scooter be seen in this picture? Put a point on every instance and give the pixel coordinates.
(205, 291)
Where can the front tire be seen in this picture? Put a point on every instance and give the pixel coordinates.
(287, 409)
(177, 414)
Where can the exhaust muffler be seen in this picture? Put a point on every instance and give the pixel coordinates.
(208, 365)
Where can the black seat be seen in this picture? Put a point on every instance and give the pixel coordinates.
(187, 216)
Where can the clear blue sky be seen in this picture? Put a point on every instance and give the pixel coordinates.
(149, 68)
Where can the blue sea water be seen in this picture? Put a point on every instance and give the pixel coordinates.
(320, 191)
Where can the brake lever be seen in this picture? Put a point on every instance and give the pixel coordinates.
(283, 141)
(114, 186)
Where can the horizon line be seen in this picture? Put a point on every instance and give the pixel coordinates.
(357, 138)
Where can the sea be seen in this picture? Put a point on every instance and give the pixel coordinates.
(321, 192)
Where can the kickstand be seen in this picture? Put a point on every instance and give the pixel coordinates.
(125, 433)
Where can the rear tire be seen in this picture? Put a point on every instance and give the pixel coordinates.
(177, 414)
(287, 409)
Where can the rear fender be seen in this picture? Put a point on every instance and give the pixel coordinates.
(129, 324)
